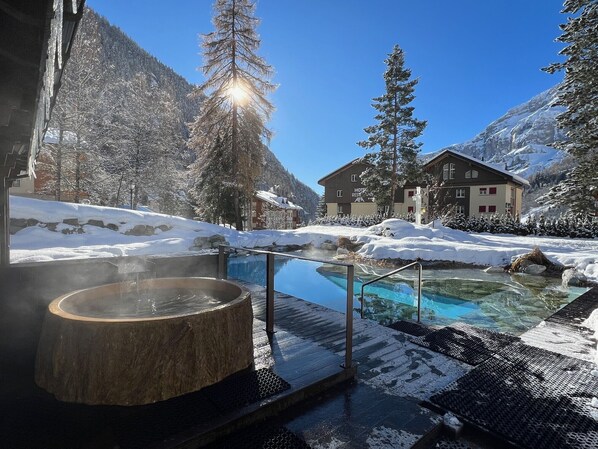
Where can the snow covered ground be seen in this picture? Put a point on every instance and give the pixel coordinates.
(393, 239)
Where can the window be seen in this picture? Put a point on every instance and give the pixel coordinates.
(471, 174)
(16, 183)
(492, 190)
(339, 193)
(482, 209)
(460, 210)
(410, 193)
(448, 171)
(491, 208)
(410, 210)
(460, 193)
(483, 191)
(339, 209)
(353, 178)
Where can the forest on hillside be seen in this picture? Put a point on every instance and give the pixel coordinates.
(118, 134)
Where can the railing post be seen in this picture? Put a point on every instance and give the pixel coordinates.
(222, 258)
(349, 318)
(362, 305)
(270, 293)
(419, 293)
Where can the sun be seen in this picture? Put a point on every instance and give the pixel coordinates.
(237, 94)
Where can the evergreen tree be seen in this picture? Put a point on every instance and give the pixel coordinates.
(322, 208)
(579, 94)
(235, 108)
(395, 161)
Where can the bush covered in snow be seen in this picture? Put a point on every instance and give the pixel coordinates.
(361, 221)
(562, 226)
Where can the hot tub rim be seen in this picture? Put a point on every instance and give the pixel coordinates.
(55, 309)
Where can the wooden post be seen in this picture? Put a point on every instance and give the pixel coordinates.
(4, 222)
(222, 259)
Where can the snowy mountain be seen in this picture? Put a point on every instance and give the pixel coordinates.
(521, 139)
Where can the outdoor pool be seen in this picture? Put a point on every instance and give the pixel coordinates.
(499, 302)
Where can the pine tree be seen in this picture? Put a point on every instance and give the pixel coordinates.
(235, 108)
(322, 208)
(579, 94)
(395, 161)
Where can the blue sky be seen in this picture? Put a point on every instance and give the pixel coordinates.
(475, 59)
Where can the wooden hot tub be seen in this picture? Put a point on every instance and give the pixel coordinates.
(138, 343)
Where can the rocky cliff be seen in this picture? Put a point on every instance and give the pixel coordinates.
(521, 140)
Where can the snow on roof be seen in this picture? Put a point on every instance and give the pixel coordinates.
(485, 164)
(278, 201)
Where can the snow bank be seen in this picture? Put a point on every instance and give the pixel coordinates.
(392, 239)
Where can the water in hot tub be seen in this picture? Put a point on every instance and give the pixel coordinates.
(154, 303)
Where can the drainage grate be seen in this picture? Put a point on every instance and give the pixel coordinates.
(245, 388)
(410, 328)
(467, 343)
(530, 397)
(261, 438)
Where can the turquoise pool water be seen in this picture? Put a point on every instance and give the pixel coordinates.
(499, 302)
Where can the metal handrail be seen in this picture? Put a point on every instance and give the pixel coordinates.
(222, 274)
(419, 286)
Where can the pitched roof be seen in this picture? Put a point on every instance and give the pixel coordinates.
(516, 178)
(278, 201)
(338, 170)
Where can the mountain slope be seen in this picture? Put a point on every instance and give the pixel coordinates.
(521, 140)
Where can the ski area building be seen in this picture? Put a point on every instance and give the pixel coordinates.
(463, 183)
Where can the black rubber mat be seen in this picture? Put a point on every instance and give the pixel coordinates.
(529, 397)
(450, 444)
(467, 343)
(261, 438)
(160, 421)
(245, 388)
(408, 327)
(578, 310)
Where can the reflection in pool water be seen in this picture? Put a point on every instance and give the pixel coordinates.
(499, 302)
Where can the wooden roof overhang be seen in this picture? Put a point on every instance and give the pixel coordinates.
(35, 41)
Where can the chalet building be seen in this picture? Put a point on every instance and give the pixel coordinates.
(271, 211)
(464, 183)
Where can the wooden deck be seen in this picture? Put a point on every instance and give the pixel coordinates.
(306, 350)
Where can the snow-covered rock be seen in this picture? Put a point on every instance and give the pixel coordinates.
(574, 278)
(534, 269)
